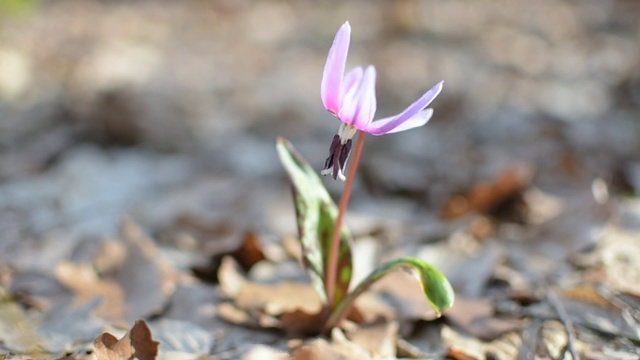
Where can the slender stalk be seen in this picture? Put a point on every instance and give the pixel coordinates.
(332, 269)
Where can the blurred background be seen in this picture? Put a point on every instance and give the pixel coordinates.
(168, 110)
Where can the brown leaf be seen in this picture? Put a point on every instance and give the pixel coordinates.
(294, 307)
(455, 354)
(273, 298)
(136, 344)
(586, 294)
(204, 228)
(85, 283)
(250, 252)
(491, 196)
(339, 348)
(276, 299)
(299, 322)
(135, 280)
(404, 290)
(469, 347)
(345, 348)
(145, 278)
(370, 308)
(316, 350)
(247, 254)
(229, 312)
(231, 280)
(476, 317)
(620, 259)
(17, 331)
(589, 308)
(379, 340)
(260, 352)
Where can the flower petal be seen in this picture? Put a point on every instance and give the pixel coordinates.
(330, 88)
(392, 124)
(351, 80)
(419, 119)
(359, 103)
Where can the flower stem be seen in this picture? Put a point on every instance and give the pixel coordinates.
(330, 281)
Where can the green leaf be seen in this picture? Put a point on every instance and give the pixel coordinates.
(436, 287)
(316, 215)
(18, 7)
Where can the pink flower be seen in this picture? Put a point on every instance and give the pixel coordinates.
(352, 99)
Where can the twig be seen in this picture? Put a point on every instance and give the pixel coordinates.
(566, 321)
(629, 314)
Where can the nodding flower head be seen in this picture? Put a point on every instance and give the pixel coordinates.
(352, 99)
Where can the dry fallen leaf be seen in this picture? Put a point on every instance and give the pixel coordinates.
(300, 322)
(229, 312)
(292, 306)
(247, 254)
(260, 352)
(370, 308)
(407, 297)
(276, 299)
(345, 348)
(54, 330)
(588, 308)
(491, 196)
(586, 294)
(66, 323)
(318, 349)
(181, 339)
(477, 317)
(340, 348)
(145, 278)
(136, 344)
(456, 354)
(379, 340)
(620, 251)
(17, 331)
(85, 283)
(231, 280)
(250, 252)
(468, 347)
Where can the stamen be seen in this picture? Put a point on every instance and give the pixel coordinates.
(339, 151)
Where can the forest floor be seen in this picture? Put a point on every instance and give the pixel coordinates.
(139, 178)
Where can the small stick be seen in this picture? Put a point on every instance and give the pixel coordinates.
(566, 321)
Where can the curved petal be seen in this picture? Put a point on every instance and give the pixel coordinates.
(359, 103)
(330, 88)
(388, 125)
(349, 104)
(367, 100)
(419, 119)
(351, 79)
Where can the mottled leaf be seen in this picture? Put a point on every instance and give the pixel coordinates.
(316, 214)
(436, 287)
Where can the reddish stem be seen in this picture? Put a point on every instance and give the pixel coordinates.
(332, 268)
